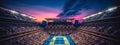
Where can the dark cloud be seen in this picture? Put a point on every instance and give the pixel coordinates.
(69, 13)
(72, 7)
(68, 5)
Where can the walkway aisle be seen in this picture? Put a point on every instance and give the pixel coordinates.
(59, 40)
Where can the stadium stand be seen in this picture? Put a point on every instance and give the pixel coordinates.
(19, 29)
(59, 29)
(102, 28)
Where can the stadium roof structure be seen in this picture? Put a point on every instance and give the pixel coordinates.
(108, 10)
(59, 18)
(105, 14)
(15, 15)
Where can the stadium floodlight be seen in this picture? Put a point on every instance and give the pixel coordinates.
(24, 15)
(111, 9)
(96, 14)
(14, 12)
(84, 18)
(93, 15)
(87, 17)
(32, 17)
(99, 12)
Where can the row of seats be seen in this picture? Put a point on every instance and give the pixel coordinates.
(32, 39)
(59, 26)
(37, 38)
(99, 32)
(59, 29)
(112, 29)
(13, 28)
(108, 13)
(19, 29)
(109, 29)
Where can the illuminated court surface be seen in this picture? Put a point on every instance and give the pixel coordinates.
(59, 40)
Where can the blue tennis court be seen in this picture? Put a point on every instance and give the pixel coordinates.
(59, 40)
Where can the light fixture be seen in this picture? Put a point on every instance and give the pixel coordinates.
(111, 9)
(99, 12)
(23, 14)
(14, 12)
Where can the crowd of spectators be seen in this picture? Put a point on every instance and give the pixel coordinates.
(8, 29)
(97, 32)
(83, 35)
(13, 28)
(19, 29)
(102, 28)
(59, 29)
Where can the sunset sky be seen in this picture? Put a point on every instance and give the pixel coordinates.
(41, 9)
